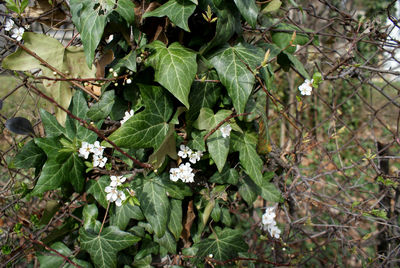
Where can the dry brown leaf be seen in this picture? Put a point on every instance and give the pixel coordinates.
(101, 63)
(187, 224)
(44, 10)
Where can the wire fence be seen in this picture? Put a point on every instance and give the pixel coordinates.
(335, 154)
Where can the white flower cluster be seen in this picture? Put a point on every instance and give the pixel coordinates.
(306, 87)
(185, 172)
(226, 130)
(113, 193)
(97, 150)
(127, 116)
(269, 223)
(16, 32)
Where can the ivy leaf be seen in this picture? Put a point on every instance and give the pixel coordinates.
(167, 241)
(175, 218)
(223, 244)
(121, 215)
(55, 174)
(298, 65)
(218, 146)
(30, 156)
(51, 125)
(228, 23)
(52, 176)
(233, 73)
(203, 95)
(75, 175)
(272, 6)
(129, 62)
(96, 188)
(103, 248)
(177, 190)
(168, 147)
(148, 128)
(102, 108)
(90, 23)
(249, 11)
(248, 190)
(127, 10)
(51, 146)
(155, 205)
(178, 11)
(175, 68)
(51, 260)
(248, 156)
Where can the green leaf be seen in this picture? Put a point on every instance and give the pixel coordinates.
(52, 176)
(51, 146)
(103, 248)
(175, 218)
(228, 23)
(121, 215)
(203, 94)
(248, 191)
(89, 215)
(227, 176)
(155, 205)
(168, 147)
(178, 11)
(269, 192)
(148, 128)
(51, 125)
(30, 156)
(248, 156)
(96, 188)
(55, 173)
(175, 68)
(272, 6)
(129, 62)
(223, 244)
(90, 24)
(218, 146)
(298, 65)
(126, 8)
(102, 108)
(75, 175)
(234, 74)
(249, 11)
(51, 260)
(167, 241)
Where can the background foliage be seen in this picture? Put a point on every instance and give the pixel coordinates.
(187, 69)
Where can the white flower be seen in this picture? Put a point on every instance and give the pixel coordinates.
(99, 161)
(185, 151)
(97, 148)
(112, 193)
(269, 223)
(127, 116)
(185, 168)
(8, 25)
(128, 81)
(306, 87)
(226, 130)
(269, 216)
(187, 177)
(195, 156)
(175, 174)
(120, 197)
(274, 231)
(117, 180)
(85, 150)
(17, 33)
